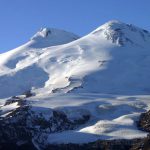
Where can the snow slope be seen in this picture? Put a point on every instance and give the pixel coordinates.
(20, 69)
(85, 75)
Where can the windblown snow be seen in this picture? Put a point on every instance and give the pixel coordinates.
(105, 73)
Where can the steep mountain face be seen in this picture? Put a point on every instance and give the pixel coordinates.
(76, 90)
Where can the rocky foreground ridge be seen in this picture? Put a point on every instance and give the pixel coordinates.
(25, 128)
(25, 125)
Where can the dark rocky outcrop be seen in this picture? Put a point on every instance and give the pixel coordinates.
(142, 144)
(144, 122)
(97, 145)
(144, 125)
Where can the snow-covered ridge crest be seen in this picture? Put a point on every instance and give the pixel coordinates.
(44, 32)
(122, 33)
(53, 36)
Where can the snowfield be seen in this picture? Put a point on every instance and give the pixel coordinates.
(112, 116)
(105, 74)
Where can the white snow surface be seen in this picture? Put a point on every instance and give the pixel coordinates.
(105, 73)
(5, 110)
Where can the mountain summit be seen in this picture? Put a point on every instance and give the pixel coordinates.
(51, 37)
(122, 33)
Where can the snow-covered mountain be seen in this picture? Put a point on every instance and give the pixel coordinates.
(90, 76)
(112, 59)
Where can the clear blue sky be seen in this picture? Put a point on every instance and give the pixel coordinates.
(20, 19)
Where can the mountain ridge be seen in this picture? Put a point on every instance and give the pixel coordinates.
(100, 51)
